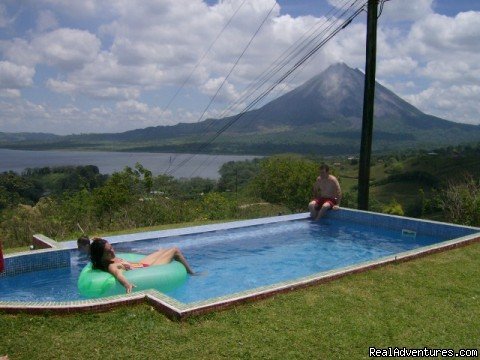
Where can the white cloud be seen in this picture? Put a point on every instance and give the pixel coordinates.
(17, 115)
(10, 93)
(67, 48)
(46, 21)
(20, 52)
(113, 93)
(348, 46)
(132, 106)
(397, 10)
(75, 9)
(225, 94)
(431, 60)
(158, 43)
(122, 54)
(396, 66)
(459, 71)
(14, 76)
(446, 36)
(106, 78)
(62, 87)
(406, 10)
(457, 103)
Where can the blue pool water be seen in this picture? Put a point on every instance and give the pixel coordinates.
(238, 259)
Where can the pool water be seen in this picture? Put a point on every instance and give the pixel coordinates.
(237, 260)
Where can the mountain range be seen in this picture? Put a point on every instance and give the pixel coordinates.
(323, 116)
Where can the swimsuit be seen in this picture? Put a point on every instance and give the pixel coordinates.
(138, 265)
(133, 265)
(322, 200)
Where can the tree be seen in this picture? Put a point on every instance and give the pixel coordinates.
(286, 180)
(119, 190)
(15, 189)
(237, 174)
(147, 177)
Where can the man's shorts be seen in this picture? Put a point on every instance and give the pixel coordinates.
(322, 200)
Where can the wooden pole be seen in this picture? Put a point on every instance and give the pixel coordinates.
(368, 106)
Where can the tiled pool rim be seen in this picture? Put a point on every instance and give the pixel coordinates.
(58, 255)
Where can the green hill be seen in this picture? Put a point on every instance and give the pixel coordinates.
(413, 180)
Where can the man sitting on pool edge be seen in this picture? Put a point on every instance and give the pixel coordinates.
(326, 192)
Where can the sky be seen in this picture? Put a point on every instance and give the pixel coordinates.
(96, 66)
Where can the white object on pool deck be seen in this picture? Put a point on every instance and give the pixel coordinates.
(409, 233)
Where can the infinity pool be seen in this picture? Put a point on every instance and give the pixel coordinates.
(240, 259)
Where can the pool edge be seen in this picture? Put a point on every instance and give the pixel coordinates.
(179, 311)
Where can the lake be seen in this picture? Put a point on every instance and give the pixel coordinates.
(177, 165)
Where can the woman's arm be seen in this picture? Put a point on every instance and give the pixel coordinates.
(118, 273)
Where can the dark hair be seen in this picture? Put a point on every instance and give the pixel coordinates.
(325, 167)
(83, 244)
(97, 248)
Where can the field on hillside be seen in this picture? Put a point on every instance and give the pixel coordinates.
(410, 180)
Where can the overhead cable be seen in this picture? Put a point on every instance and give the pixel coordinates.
(286, 74)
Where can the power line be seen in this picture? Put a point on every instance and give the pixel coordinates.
(273, 69)
(282, 61)
(198, 64)
(226, 78)
(237, 61)
(282, 78)
(382, 3)
(203, 56)
(289, 56)
(298, 63)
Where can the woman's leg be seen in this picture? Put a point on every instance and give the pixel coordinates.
(150, 259)
(164, 256)
(179, 257)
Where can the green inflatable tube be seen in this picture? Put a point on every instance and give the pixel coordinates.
(98, 283)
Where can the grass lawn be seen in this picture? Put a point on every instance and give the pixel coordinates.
(432, 302)
(405, 193)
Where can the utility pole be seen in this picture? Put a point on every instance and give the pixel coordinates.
(368, 106)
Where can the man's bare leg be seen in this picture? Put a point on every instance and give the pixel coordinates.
(323, 210)
(313, 211)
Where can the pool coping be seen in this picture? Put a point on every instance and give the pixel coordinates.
(179, 311)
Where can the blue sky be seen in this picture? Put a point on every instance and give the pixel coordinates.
(109, 65)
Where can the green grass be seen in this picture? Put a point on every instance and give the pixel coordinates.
(433, 302)
(405, 193)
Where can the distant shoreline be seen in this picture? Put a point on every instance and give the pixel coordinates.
(178, 165)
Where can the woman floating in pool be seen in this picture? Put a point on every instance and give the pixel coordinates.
(103, 258)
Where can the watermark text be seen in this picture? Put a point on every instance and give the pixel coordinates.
(424, 352)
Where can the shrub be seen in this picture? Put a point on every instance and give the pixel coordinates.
(286, 180)
(215, 206)
(394, 208)
(461, 202)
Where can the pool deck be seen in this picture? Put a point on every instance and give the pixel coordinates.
(58, 254)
